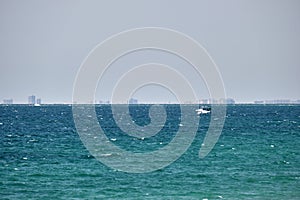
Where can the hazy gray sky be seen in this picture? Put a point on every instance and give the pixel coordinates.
(255, 43)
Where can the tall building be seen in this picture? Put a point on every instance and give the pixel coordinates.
(31, 100)
(39, 101)
(7, 101)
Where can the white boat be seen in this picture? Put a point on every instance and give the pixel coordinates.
(202, 111)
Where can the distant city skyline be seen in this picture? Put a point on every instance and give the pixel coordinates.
(255, 45)
(32, 100)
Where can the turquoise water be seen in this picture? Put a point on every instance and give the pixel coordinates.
(256, 157)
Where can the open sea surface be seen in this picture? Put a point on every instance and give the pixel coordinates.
(256, 157)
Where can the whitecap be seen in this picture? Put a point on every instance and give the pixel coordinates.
(106, 154)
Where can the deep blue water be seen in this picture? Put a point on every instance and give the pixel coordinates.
(256, 157)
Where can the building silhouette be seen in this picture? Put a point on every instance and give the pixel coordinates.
(133, 101)
(39, 101)
(31, 100)
(7, 101)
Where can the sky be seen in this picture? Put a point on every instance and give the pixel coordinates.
(254, 43)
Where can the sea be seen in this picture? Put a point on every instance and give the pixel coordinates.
(256, 157)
